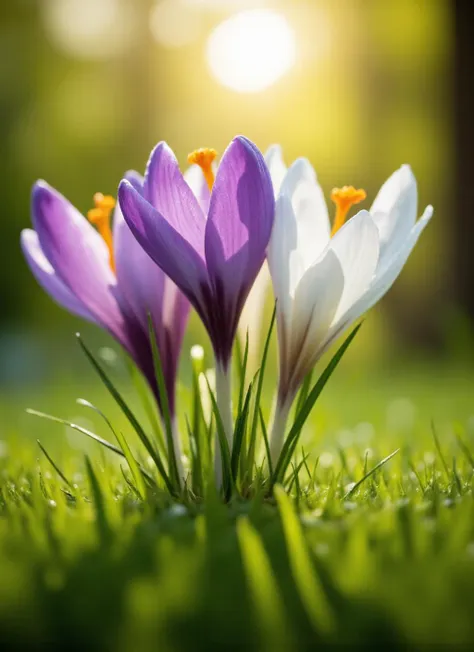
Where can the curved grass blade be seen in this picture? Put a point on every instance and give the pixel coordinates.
(148, 406)
(92, 435)
(306, 579)
(440, 451)
(164, 404)
(74, 426)
(353, 489)
(196, 461)
(300, 418)
(239, 433)
(304, 391)
(266, 442)
(53, 464)
(258, 394)
(195, 432)
(464, 448)
(103, 527)
(130, 416)
(242, 368)
(132, 463)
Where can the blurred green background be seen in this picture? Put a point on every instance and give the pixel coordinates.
(89, 86)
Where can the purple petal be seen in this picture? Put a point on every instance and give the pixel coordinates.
(168, 248)
(238, 229)
(140, 280)
(144, 288)
(168, 192)
(240, 215)
(77, 254)
(47, 277)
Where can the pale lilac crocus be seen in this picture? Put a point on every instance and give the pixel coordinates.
(105, 277)
(209, 236)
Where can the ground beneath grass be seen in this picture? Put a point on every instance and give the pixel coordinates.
(389, 562)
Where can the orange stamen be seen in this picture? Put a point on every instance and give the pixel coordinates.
(204, 157)
(345, 198)
(99, 216)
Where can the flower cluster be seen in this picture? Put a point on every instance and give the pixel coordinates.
(200, 239)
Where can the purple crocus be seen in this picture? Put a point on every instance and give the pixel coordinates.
(209, 237)
(104, 276)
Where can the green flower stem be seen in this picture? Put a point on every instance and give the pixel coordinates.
(178, 451)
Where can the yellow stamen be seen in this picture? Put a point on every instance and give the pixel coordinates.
(345, 198)
(204, 157)
(100, 218)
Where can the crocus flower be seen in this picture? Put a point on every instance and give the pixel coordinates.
(210, 237)
(325, 277)
(104, 276)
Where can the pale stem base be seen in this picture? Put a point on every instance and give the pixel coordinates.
(277, 435)
(224, 403)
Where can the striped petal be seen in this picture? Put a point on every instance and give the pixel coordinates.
(47, 277)
(77, 254)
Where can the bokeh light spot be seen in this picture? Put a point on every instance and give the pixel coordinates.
(90, 29)
(251, 50)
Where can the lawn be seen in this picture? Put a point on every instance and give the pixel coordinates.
(389, 561)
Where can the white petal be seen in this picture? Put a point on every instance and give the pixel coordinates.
(194, 177)
(316, 300)
(282, 243)
(356, 245)
(386, 276)
(276, 166)
(395, 210)
(300, 185)
(251, 317)
(382, 282)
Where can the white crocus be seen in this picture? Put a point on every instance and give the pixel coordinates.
(324, 278)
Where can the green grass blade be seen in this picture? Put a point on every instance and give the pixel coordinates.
(258, 394)
(80, 429)
(196, 465)
(103, 527)
(306, 579)
(300, 418)
(165, 407)
(242, 368)
(369, 473)
(440, 452)
(130, 416)
(195, 433)
(132, 463)
(263, 588)
(53, 464)
(92, 435)
(464, 448)
(239, 433)
(148, 405)
(266, 441)
(304, 391)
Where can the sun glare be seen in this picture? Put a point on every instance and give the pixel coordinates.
(251, 50)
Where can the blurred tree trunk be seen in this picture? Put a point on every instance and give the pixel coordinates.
(464, 143)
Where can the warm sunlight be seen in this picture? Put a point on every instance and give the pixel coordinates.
(251, 50)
